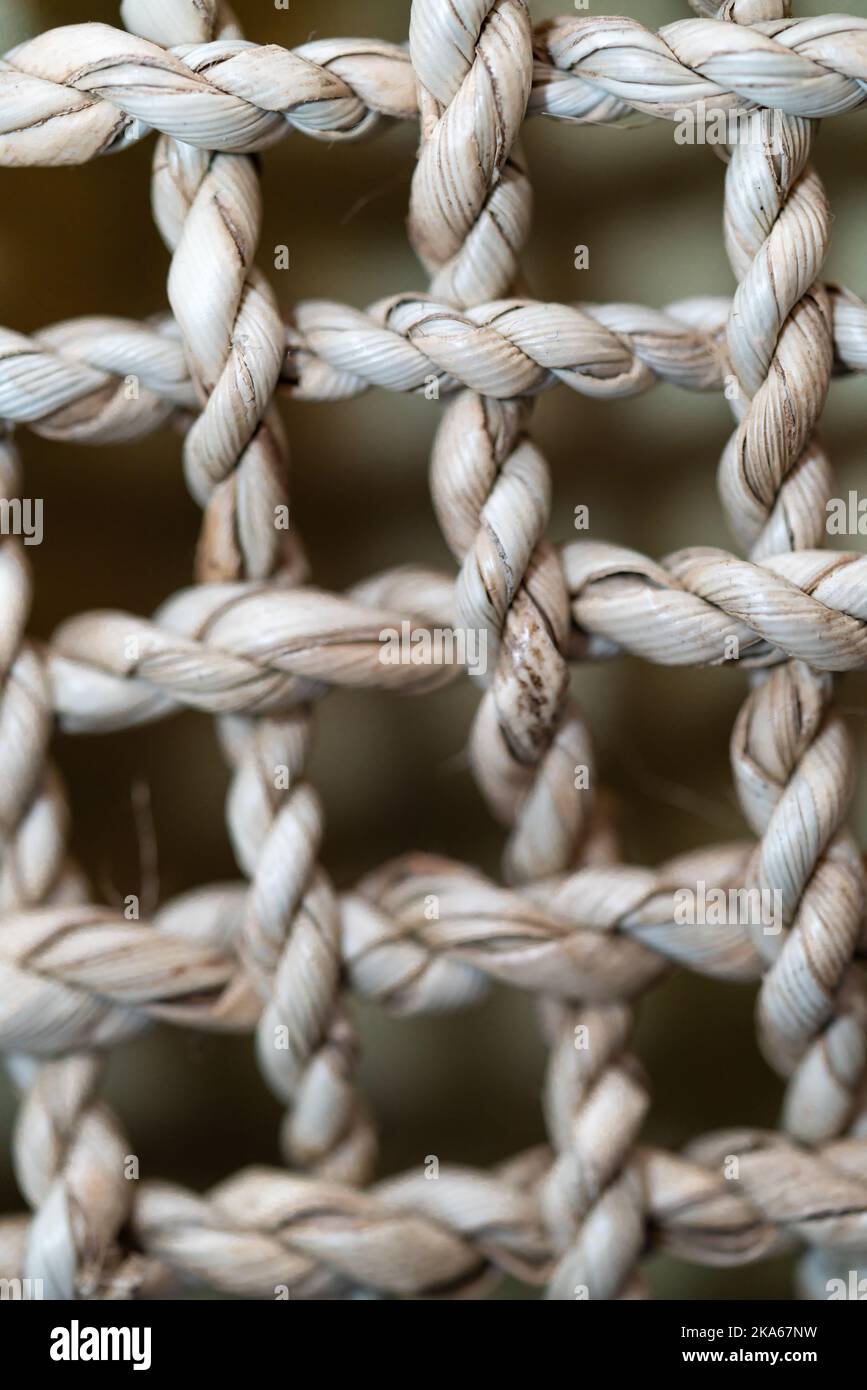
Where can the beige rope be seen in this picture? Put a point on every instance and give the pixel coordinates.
(209, 211)
(253, 643)
(490, 485)
(71, 381)
(704, 606)
(258, 649)
(88, 89)
(774, 482)
(469, 216)
(67, 1151)
(263, 1229)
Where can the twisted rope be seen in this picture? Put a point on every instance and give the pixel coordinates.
(208, 208)
(99, 380)
(87, 89)
(253, 644)
(774, 482)
(264, 1229)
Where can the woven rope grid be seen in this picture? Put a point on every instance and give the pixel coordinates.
(254, 643)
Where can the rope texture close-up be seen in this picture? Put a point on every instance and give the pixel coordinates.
(287, 957)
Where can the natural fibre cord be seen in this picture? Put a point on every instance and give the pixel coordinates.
(253, 643)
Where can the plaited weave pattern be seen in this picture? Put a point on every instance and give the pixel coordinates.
(280, 955)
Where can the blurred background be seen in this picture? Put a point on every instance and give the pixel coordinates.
(120, 530)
